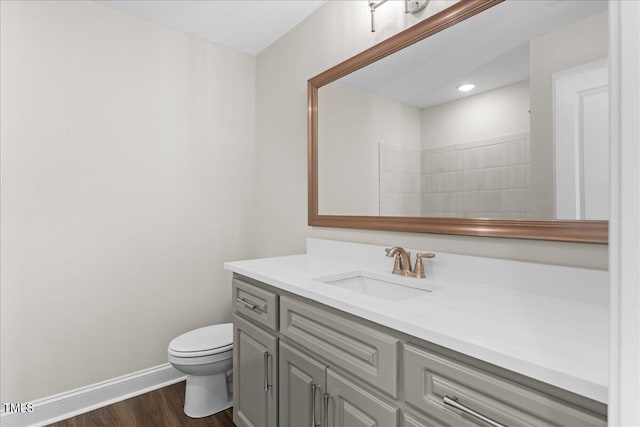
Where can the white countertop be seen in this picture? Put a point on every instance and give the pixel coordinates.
(546, 322)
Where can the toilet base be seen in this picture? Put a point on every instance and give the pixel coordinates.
(206, 395)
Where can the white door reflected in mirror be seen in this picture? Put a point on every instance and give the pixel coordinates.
(581, 118)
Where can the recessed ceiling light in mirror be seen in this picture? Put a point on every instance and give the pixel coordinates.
(466, 87)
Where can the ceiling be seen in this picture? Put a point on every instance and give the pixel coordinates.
(249, 26)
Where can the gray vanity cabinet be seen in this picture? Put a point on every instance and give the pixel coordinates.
(255, 394)
(301, 364)
(303, 380)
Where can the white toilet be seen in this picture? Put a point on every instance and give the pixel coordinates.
(206, 356)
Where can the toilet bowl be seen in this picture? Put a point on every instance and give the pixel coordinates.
(206, 356)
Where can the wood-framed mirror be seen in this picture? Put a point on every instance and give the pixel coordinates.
(395, 145)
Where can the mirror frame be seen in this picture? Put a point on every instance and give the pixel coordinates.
(582, 231)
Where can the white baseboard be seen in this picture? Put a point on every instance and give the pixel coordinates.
(68, 404)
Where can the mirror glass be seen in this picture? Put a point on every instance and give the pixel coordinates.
(529, 140)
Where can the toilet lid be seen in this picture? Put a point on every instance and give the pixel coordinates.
(210, 339)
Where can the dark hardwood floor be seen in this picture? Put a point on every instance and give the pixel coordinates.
(159, 408)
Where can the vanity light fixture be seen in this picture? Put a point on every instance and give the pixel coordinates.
(414, 6)
(410, 6)
(466, 87)
(373, 5)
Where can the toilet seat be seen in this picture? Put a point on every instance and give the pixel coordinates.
(177, 359)
(207, 341)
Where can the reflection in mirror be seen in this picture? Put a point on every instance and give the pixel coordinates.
(528, 141)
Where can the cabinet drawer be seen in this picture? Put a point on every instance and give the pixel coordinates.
(429, 378)
(412, 419)
(255, 303)
(358, 349)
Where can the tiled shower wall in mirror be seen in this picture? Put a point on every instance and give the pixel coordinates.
(401, 177)
(488, 178)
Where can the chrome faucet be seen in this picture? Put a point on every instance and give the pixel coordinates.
(402, 262)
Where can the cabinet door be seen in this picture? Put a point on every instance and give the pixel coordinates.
(255, 394)
(350, 405)
(302, 383)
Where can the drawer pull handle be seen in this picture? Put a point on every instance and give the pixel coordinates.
(314, 390)
(453, 402)
(267, 386)
(326, 397)
(246, 304)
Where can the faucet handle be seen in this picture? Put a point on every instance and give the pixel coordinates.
(418, 270)
(426, 255)
(397, 264)
(402, 260)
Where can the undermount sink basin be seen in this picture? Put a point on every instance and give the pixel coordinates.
(379, 285)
